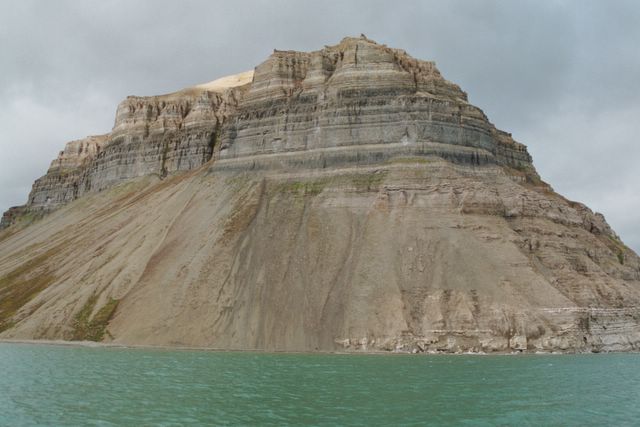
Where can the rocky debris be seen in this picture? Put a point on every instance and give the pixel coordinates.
(352, 199)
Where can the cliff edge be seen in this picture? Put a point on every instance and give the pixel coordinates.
(349, 198)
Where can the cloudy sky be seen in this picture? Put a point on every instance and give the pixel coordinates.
(562, 76)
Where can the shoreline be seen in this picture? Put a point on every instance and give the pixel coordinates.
(103, 345)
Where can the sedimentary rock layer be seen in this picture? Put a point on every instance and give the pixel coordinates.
(358, 96)
(66, 178)
(154, 135)
(345, 199)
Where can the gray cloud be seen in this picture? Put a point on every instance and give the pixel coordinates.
(562, 76)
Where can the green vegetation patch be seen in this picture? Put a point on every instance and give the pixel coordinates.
(304, 187)
(368, 181)
(29, 218)
(410, 159)
(87, 328)
(618, 248)
(360, 181)
(21, 285)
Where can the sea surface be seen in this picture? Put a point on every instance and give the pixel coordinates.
(52, 385)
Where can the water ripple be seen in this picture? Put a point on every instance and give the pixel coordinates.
(51, 385)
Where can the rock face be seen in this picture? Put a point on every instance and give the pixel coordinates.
(345, 199)
(152, 135)
(364, 100)
(66, 178)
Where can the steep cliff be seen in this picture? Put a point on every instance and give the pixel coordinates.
(66, 178)
(345, 199)
(151, 136)
(366, 99)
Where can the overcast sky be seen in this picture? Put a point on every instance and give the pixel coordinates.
(562, 76)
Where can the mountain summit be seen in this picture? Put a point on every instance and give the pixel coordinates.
(343, 199)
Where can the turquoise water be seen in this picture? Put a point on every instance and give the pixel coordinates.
(57, 385)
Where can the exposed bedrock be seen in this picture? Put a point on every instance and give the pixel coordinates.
(161, 135)
(344, 199)
(155, 135)
(379, 101)
(66, 177)
(359, 93)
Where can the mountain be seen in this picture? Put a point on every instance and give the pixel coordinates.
(343, 199)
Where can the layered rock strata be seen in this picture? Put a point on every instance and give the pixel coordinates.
(66, 178)
(154, 135)
(356, 101)
(366, 97)
(351, 199)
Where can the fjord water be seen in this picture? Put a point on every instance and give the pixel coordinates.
(61, 385)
